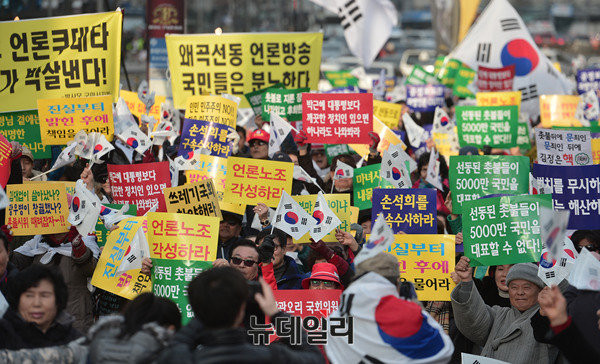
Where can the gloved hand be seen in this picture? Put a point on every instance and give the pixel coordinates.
(322, 249)
(266, 249)
(300, 140)
(234, 138)
(375, 139)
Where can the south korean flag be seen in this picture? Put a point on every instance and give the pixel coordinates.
(137, 251)
(588, 108)
(553, 270)
(416, 134)
(326, 219)
(84, 210)
(380, 240)
(291, 218)
(342, 170)
(396, 167)
(136, 139)
(279, 131)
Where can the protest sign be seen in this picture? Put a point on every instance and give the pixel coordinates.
(24, 127)
(216, 169)
(504, 98)
(37, 208)
(588, 80)
(140, 184)
(138, 108)
(494, 126)
(71, 56)
(476, 359)
(197, 198)
(596, 151)
(426, 260)
(419, 76)
(254, 180)
(425, 98)
(364, 181)
(495, 79)
(214, 109)
(563, 147)
(503, 230)
(464, 78)
(338, 203)
(285, 103)
(447, 71)
(340, 78)
(388, 113)
(61, 119)
(170, 279)
(308, 302)
(558, 110)
(411, 211)
(101, 230)
(240, 63)
(445, 143)
(5, 161)
(111, 273)
(254, 98)
(196, 134)
(337, 118)
(475, 176)
(386, 135)
(573, 188)
(333, 150)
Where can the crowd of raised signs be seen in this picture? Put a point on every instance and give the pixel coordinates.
(438, 219)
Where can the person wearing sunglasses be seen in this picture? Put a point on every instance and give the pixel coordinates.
(258, 140)
(244, 257)
(323, 276)
(230, 229)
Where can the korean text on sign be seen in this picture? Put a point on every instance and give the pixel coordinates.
(241, 63)
(588, 79)
(182, 237)
(101, 230)
(113, 272)
(576, 189)
(364, 181)
(24, 127)
(386, 135)
(215, 109)
(71, 56)
(563, 147)
(425, 98)
(337, 118)
(475, 176)
(283, 102)
(37, 208)
(412, 211)
(138, 108)
(426, 260)
(197, 134)
(339, 203)
(195, 199)
(61, 119)
(388, 113)
(558, 110)
(140, 184)
(503, 230)
(251, 181)
(495, 79)
(494, 126)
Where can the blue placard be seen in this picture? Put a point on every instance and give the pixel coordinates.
(409, 210)
(588, 79)
(197, 134)
(425, 98)
(574, 188)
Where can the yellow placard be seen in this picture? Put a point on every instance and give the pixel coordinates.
(67, 56)
(137, 107)
(443, 144)
(255, 180)
(596, 150)
(240, 63)
(558, 110)
(499, 98)
(61, 119)
(37, 208)
(426, 260)
(69, 186)
(388, 113)
(386, 135)
(338, 203)
(111, 273)
(354, 212)
(182, 236)
(215, 168)
(215, 109)
(195, 199)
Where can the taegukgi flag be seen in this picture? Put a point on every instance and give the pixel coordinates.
(326, 219)
(291, 218)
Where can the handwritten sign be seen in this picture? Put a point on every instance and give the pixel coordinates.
(563, 147)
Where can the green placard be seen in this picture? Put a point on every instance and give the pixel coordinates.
(102, 231)
(364, 181)
(255, 97)
(285, 103)
(475, 176)
(419, 76)
(340, 78)
(523, 139)
(494, 126)
(448, 70)
(333, 150)
(503, 230)
(464, 76)
(24, 127)
(437, 66)
(170, 279)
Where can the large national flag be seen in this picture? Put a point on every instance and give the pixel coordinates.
(367, 24)
(279, 130)
(291, 218)
(326, 219)
(500, 38)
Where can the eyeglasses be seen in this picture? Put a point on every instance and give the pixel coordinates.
(247, 262)
(257, 143)
(326, 284)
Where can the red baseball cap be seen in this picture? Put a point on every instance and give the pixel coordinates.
(258, 134)
(324, 272)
